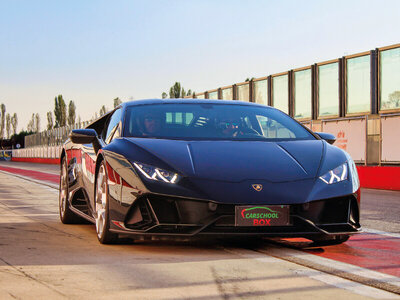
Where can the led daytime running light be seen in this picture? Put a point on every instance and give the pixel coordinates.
(336, 175)
(156, 174)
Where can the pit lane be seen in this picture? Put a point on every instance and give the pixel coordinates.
(40, 257)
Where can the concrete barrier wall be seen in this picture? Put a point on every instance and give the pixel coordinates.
(46, 155)
(379, 177)
(390, 127)
(369, 141)
(351, 136)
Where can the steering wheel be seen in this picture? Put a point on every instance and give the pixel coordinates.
(250, 132)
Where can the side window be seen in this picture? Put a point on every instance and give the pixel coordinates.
(274, 129)
(113, 125)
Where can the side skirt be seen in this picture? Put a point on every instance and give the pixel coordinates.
(83, 215)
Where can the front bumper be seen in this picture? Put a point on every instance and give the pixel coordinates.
(161, 215)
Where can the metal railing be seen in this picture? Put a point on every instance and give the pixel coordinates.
(52, 137)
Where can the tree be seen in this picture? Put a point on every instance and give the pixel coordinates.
(49, 120)
(79, 122)
(8, 125)
(177, 91)
(14, 123)
(37, 123)
(103, 110)
(31, 124)
(19, 138)
(71, 113)
(394, 99)
(3, 120)
(117, 102)
(60, 112)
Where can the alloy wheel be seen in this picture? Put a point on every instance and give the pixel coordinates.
(101, 201)
(63, 190)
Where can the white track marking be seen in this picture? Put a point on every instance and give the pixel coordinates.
(41, 182)
(252, 255)
(332, 280)
(390, 234)
(330, 263)
(352, 286)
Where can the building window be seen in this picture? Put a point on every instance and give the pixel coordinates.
(213, 95)
(261, 92)
(280, 93)
(227, 94)
(358, 84)
(390, 79)
(243, 92)
(328, 90)
(302, 94)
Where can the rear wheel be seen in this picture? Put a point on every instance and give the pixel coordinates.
(66, 214)
(104, 234)
(336, 240)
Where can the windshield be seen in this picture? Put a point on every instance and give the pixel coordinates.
(211, 122)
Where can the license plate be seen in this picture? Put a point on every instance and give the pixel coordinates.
(262, 215)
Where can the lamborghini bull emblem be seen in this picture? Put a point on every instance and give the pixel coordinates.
(257, 187)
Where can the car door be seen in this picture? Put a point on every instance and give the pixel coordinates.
(106, 132)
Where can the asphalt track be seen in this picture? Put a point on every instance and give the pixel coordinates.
(42, 258)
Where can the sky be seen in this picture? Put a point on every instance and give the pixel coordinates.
(94, 51)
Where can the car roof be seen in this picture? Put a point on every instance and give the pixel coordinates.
(189, 101)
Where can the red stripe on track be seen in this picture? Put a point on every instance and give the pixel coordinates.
(51, 161)
(375, 252)
(371, 251)
(33, 174)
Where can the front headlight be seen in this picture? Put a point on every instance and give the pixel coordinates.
(157, 174)
(336, 175)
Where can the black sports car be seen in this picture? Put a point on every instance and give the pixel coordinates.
(202, 167)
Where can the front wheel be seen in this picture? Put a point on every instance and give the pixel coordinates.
(102, 218)
(67, 216)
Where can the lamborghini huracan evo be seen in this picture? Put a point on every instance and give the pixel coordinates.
(188, 167)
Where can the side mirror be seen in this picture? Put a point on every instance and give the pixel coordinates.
(330, 138)
(83, 136)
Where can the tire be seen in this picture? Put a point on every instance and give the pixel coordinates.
(101, 214)
(67, 216)
(337, 240)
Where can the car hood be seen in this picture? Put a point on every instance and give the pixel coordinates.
(235, 161)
